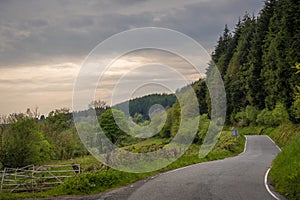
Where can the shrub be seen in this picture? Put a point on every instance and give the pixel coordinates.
(280, 114)
(265, 117)
(295, 110)
(24, 144)
(241, 118)
(251, 114)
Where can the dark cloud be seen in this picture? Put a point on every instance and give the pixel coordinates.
(42, 30)
(42, 43)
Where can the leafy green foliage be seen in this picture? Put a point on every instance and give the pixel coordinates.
(23, 144)
(113, 124)
(295, 110)
(247, 117)
(62, 135)
(273, 118)
(202, 130)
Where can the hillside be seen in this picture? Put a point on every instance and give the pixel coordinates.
(143, 104)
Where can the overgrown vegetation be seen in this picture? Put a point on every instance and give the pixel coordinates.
(94, 180)
(28, 140)
(285, 171)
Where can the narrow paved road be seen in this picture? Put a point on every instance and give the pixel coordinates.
(237, 178)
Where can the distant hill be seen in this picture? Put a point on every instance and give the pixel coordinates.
(141, 105)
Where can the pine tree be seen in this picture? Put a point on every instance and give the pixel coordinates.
(255, 90)
(279, 53)
(236, 76)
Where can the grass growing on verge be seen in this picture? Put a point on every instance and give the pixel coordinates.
(98, 181)
(285, 171)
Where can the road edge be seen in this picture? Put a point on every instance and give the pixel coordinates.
(267, 185)
(266, 182)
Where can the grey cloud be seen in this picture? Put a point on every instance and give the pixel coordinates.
(73, 28)
(35, 33)
(37, 23)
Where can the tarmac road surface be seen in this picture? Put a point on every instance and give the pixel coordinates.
(236, 178)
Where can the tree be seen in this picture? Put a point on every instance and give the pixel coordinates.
(138, 118)
(281, 50)
(238, 71)
(280, 114)
(24, 144)
(295, 108)
(142, 105)
(115, 131)
(224, 50)
(97, 104)
(69, 145)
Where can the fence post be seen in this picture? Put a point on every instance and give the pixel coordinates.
(3, 175)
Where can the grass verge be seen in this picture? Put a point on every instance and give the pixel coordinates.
(285, 171)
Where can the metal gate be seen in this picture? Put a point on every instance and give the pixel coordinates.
(30, 178)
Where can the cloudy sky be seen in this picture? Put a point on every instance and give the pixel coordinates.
(44, 43)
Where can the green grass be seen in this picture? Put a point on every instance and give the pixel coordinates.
(285, 171)
(86, 162)
(251, 130)
(285, 134)
(91, 182)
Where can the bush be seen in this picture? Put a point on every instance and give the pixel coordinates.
(295, 110)
(280, 114)
(265, 117)
(247, 117)
(273, 118)
(24, 144)
(241, 118)
(202, 129)
(251, 114)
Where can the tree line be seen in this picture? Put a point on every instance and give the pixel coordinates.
(26, 139)
(258, 62)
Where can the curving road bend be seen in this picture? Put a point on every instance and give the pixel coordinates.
(236, 178)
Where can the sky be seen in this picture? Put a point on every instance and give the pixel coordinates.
(43, 44)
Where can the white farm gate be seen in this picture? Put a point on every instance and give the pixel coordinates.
(31, 178)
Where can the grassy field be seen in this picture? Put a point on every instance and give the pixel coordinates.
(96, 181)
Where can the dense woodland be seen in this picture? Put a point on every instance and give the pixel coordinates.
(139, 107)
(258, 62)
